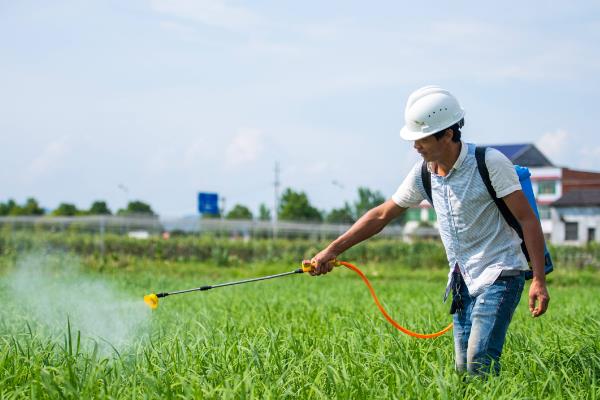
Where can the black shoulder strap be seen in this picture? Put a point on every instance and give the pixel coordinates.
(426, 178)
(504, 210)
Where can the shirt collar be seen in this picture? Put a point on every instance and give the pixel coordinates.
(461, 157)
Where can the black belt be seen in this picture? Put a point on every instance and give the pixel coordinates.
(510, 272)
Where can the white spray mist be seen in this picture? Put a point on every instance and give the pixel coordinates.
(52, 288)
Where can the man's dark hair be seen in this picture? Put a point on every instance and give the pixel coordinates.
(455, 131)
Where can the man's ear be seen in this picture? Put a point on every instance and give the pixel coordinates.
(448, 135)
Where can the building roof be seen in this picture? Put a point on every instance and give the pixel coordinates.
(510, 150)
(579, 198)
(524, 154)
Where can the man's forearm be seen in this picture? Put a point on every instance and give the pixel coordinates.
(534, 240)
(532, 231)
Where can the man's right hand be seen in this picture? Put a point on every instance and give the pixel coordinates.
(322, 262)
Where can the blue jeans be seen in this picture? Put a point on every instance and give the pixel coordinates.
(481, 322)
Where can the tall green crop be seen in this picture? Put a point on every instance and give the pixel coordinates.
(295, 337)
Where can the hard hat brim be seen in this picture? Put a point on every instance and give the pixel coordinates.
(407, 134)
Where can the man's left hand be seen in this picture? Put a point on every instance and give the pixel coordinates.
(538, 297)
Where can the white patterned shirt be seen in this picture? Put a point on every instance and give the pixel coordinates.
(475, 235)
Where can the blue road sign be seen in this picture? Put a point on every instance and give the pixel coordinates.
(208, 203)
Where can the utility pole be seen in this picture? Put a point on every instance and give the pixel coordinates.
(276, 184)
(222, 200)
(222, 208)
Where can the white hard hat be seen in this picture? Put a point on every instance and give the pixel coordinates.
(429, 110)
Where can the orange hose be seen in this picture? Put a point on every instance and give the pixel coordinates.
(386, 315)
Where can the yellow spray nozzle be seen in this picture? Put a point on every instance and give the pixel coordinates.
(151, 300)
(308, 266)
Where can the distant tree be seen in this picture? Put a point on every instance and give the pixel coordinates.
(5, 208)
(65, 210)
(13, 207)
(342, 215)
(367, 199)
(264, 213)
(136, 207)
(295, 206)
(239, 212)
(99, 208)
(32, 207)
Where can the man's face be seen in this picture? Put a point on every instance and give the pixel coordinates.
(432, 149)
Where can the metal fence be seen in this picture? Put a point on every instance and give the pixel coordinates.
(15, 230)
(144, 226)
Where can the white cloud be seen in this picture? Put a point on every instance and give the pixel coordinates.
(51, 157)
(247, 146)
(208, 12)
(554, 144)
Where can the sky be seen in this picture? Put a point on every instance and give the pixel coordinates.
(158, 100)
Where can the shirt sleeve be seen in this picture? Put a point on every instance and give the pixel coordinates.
(408, 194)
(502, 173)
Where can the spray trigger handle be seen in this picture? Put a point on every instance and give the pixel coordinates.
(309, 266)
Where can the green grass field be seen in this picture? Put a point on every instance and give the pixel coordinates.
(74, 329)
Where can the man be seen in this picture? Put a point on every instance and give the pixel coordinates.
(486, 261)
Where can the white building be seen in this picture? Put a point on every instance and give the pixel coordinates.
(576, 217)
